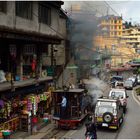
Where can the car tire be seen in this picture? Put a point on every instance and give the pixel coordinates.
(107, 117)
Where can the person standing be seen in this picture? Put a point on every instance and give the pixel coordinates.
(63, 107)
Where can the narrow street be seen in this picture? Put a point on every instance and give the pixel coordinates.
(129, 129)
(58, 62)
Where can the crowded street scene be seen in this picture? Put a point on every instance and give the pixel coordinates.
(69, 70)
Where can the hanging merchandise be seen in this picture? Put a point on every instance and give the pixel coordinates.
(2, 76)
(1, 103)
(44, 97)
(29, 104)
(9, 108)
(33, 65)
(13, 50)
(44, 73)
(37, 99)
(41, 97)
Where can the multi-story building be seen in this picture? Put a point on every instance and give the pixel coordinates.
(109, 31)
(111, 25)
(30, 32)
(131, 37)
(112, 36)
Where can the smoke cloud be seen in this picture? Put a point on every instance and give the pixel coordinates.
(96, 88)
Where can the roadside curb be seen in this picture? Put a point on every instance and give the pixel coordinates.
(135, 96)
(41, 127)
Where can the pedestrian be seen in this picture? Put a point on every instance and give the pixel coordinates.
(34, 124)
(82, 84)
(91, 128)
(63, 107)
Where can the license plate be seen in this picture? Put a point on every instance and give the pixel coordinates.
(113, 127)
(105, 124)
(99, 119)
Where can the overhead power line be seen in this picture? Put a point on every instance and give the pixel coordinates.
(111, 8)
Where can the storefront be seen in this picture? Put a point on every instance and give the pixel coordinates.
(21, 54)
(16, 108)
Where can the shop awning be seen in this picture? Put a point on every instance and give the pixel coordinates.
(19, 84)
(18, 34)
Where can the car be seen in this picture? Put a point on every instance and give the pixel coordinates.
(128, 84)
(134, 80)
(138, 79)
(108, 113)
(114, 79)
(119, 84)
(121, 94)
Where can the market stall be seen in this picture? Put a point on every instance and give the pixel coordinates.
(16, 113)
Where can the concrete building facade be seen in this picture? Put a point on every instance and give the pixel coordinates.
(111, 25)
(42, 24)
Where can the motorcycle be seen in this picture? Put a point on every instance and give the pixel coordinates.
(90, 136)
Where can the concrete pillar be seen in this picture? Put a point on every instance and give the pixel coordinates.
(21, 66)
(20, 62)
(39, 62)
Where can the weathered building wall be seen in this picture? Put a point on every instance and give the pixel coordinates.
(9, 19)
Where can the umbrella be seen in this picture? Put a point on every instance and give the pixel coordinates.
(72, 67)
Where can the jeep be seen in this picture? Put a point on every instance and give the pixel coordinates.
(108, 113)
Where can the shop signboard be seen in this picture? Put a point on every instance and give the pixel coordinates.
(50, 71)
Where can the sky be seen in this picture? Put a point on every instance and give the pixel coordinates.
(129, 9)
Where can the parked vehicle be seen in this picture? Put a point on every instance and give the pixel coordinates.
(108, 113)
(138, 79)
(114, 79)
(121, 94)
(128, 84)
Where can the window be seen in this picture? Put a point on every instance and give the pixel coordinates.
(29, 49)
(24, 9)
(44, 13)
(3, 6)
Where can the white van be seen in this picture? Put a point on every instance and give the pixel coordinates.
(121, 95)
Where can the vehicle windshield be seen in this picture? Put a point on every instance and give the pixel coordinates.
(103, 109)
(116, 79)
(117, 94)
(119, 84)
(128, 82)
(131, 79)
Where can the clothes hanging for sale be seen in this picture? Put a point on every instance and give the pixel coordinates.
(33, 65)
(1, 103)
